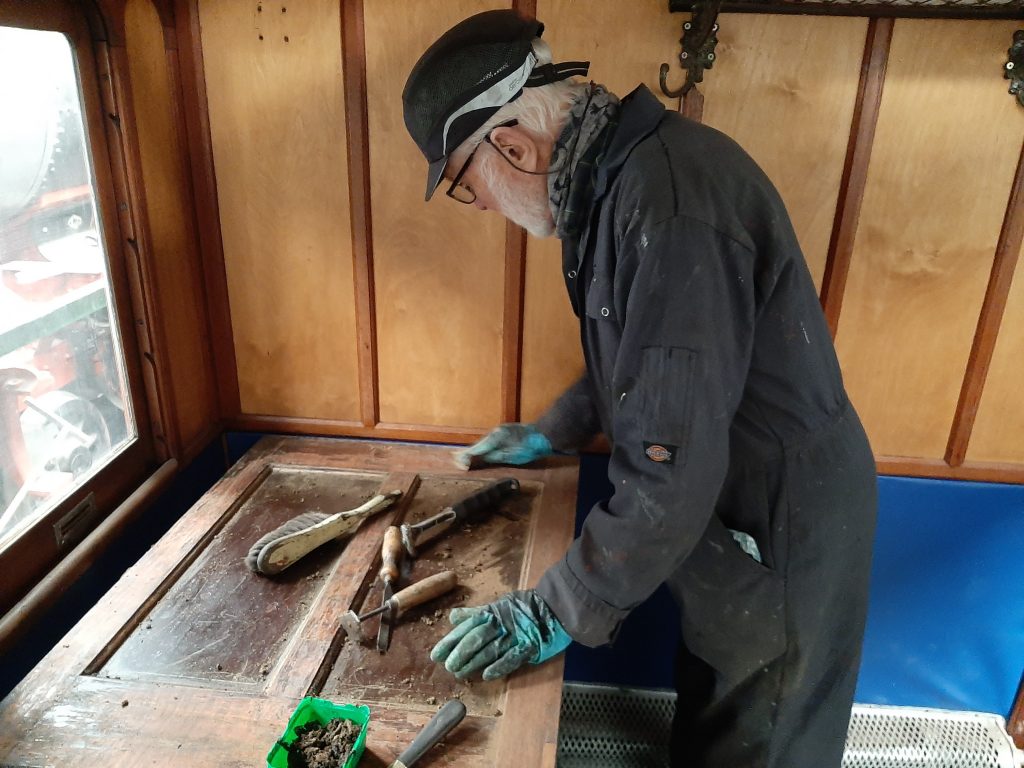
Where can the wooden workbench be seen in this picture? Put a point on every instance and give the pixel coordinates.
(191, 659)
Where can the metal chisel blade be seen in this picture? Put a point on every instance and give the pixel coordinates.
(384, 632)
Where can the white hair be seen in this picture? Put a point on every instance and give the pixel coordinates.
(541, 110)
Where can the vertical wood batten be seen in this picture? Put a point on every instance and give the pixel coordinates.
(172, 256)
(353, 51)
(207, 211)
(211, 426)
(512, 321)
(1007, 251)
(855, 171)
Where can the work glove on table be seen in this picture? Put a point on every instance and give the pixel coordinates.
(501, 637)
(507, 444)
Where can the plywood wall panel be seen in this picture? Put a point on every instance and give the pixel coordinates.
(785, 88)
(174, 256)
(946, 148)
(438, 266)
(277, 122)
(625, 44)
(999, 427)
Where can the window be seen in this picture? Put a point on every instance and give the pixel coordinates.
(72, 404)
(66, 406)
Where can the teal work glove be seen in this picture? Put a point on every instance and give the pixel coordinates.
(507, 444)
(500, 637)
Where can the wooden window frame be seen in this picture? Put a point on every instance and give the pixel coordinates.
(35, 552)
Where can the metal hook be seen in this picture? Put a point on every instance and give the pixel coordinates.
(663, 81)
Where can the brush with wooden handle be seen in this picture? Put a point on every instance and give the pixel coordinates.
(295, 539)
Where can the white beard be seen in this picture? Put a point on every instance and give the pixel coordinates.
(519, 203)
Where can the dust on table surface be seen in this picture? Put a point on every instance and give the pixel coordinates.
(487, 556)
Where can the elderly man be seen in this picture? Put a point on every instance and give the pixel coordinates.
(743, 478)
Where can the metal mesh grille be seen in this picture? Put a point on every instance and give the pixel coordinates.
(609, 727)
(905, 737)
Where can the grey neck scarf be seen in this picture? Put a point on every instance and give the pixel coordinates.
(576, 155)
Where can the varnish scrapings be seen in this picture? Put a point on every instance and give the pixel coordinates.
(322, 746)
(487, 556)
(221, 622)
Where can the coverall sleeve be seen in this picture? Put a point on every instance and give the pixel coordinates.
(571, 422)
(683, 298)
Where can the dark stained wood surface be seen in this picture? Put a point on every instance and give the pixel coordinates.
(192, 659)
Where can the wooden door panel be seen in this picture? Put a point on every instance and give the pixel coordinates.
(220, 624)
(438, 266)
(115, 692)
(275, 87)
(945, 150)
(785, 88)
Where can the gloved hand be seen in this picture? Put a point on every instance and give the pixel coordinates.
(507, 444)
(501, 637)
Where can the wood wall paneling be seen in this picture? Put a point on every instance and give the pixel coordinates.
(275, 90)
(785, 88)
(998, 433)
(177, 270)
(945, 152)
(625, 44)
(438, 266)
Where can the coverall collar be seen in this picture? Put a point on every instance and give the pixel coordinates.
(640, 115)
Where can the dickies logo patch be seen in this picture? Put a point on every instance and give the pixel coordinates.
(662, 453)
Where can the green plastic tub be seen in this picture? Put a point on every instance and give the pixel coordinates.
(321, 711)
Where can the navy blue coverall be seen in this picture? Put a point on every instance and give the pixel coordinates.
(710, 368)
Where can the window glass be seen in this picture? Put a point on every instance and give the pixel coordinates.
(64, 406)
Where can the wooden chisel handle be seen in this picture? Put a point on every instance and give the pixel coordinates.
(423, 590)
(390, 554)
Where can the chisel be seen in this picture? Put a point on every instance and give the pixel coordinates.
(390, 557)
(413, 595)
(439, 726)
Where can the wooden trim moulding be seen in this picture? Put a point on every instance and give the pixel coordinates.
(121, 114)
(855, 169)
(353, 51)
(986, 472)
(30, 608)
(1000, 279)
(189, 199)
(290, 425)
(203, 176)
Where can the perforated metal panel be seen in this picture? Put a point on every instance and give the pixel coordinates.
(609, 727)
(907, 737)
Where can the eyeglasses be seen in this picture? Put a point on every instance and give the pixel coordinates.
(458, 192)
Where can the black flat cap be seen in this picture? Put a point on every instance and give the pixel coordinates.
(474, 69)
